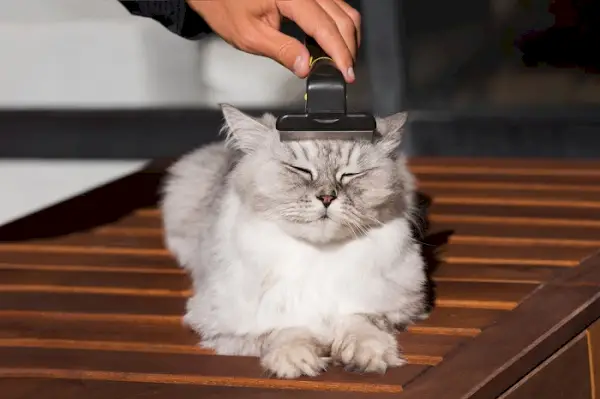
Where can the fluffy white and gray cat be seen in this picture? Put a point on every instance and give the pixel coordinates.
(300, 252)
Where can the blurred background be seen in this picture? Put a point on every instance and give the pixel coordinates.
(90, 92)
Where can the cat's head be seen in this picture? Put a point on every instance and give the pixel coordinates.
(322, 191)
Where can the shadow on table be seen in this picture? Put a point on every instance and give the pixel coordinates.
(431, 244)
(103, 205)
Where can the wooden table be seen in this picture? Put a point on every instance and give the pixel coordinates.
(91, 302)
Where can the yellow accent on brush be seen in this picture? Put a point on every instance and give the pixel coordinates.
(311, 62)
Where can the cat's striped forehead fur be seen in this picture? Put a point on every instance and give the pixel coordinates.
(333, 153)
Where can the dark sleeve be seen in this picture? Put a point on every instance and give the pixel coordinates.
(175, 15)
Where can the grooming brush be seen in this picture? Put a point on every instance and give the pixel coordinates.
(325, 116)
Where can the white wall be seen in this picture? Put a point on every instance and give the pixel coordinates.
(30, 185)
(94, 54)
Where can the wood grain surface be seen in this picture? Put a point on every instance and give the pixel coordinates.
(91, 302)
(564, 375)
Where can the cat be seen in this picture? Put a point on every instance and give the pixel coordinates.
(301, 253)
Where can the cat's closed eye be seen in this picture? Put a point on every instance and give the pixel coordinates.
(348, 176)
(299, 170)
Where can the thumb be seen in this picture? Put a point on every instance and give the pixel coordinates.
(284, 49)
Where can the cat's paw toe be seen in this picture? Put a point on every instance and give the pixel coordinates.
(372, 353)
(292, 361)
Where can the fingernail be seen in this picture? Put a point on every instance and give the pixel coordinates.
(350, 73)
(298, 64)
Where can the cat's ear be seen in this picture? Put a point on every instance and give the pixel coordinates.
(391, 129)
(246, 133)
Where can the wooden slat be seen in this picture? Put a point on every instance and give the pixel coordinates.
(92, 269)
(551, 165)
(203, 380)
(87, 260)
(525, 241)
(61, 248)
(432, 348)
(570, 256)
(553, 235)
(114, 230)
(457, 321)
(502, 222)
(500, 209)
(570, 194)
(459, 186)
(92, 303)
(566, 179)
(499, 200)
(74, 385)
(482, 295)
(144, 242)
(489, 170)
(146, 281)
(111, 328)
(498, 273)
(140, 219)
(208, 369)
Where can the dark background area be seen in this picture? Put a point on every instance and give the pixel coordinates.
(454, 65)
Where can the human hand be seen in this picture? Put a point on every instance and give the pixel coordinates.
(253, 26)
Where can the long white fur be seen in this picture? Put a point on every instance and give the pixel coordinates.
(260, 289)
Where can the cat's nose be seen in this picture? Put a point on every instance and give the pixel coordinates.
(327, 199)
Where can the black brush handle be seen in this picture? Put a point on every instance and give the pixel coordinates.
(325, 84)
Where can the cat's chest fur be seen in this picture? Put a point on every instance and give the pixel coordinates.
(280, 281)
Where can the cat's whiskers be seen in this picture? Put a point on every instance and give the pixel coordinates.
(356, 221)
(349, 226)
(356, 229)
(292, 213)
(373, 219)
(364, 218)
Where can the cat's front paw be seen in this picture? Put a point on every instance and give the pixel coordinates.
(294, 359)
(368, 351)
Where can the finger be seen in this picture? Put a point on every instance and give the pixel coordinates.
(354, 16)
(315, 22)
(282, 48)
(344, 24)
(273, 19)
